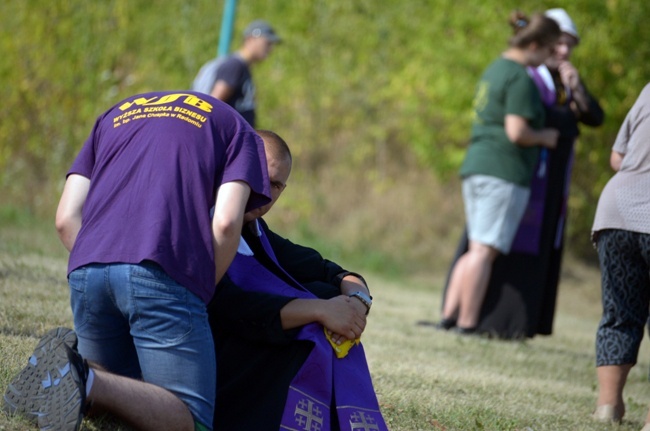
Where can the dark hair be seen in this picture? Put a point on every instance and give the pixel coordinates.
(274, 145)
(538, 28)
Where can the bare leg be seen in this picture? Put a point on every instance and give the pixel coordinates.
(611, 380)
(477, 267)
(452, 298)
(140, 404)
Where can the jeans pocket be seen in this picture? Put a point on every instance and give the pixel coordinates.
(78, 282)
(161, 306)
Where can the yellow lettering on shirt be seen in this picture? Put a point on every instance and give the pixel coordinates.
(190, 99)
(158, 107)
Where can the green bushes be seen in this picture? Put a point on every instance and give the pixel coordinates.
(371, 95)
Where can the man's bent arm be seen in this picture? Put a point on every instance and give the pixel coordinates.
(68, 213)
(520, 133)
(248, 315)
(227, 223)
(615, 160)
(222, 91)
(352, 283)
(338, 315)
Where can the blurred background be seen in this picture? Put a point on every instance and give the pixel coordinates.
(373, 96)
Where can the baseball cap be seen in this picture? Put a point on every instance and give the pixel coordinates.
(261, 28)
(564, 21)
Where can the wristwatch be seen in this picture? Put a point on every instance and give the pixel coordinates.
(364, 298)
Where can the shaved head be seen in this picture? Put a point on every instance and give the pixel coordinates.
(278, 161)
(274, 146)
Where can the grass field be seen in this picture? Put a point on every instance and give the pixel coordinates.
(425, 380)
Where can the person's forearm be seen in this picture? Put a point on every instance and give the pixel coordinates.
(520, 133)
(351, 284)
(227, 223)
(69, 211)
(586, 108)
(580, 98)
(225, 243)
(300, 312)
(68, 232)
(615, 160)
(529, 137)
(222, 91)
(339, 315)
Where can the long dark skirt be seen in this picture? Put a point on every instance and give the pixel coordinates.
(521, 296)
(522, 292)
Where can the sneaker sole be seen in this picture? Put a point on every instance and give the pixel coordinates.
(24, 395)
(62, 388)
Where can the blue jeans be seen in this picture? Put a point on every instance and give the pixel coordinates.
(136, 321)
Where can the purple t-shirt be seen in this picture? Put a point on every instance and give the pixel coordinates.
(155, 162)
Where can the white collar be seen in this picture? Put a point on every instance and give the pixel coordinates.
(243, 247)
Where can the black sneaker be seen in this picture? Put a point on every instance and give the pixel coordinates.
(64, 391)
(24, 395)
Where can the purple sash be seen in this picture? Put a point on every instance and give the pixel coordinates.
(323, 380)
(547, 94)
(528, 237)
(529, 234)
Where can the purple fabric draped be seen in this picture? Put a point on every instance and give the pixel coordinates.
(324, 380)
(528, 237)
(548, 95)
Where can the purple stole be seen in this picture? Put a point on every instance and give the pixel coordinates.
(529, 234)
(528, 237)
(324, 380)
(547, 93)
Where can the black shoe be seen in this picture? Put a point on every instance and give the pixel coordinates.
(442, 324)
(64, 389)
(466, 331)
(446, 324)
(24, 395)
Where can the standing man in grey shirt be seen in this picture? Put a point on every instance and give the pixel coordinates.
(229, 78)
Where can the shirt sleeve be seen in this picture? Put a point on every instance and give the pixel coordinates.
(594, 116)
(246, 161)
(637, 114)
(231, 72)
(85, 160)
(623, 136)
(522, 97)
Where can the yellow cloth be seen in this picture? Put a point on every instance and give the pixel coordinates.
(342, 349)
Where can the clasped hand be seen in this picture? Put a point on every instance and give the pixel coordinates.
(344, 318)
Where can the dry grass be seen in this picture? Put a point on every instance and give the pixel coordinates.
(430, 380)
(426, 380)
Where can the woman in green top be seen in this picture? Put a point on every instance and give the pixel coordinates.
(507, 134)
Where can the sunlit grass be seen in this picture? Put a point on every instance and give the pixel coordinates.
(425, 379)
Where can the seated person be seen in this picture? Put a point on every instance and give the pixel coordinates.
(269, 317)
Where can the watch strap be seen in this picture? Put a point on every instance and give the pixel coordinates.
(364, 298)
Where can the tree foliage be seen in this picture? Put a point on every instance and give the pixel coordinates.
(362, 89)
